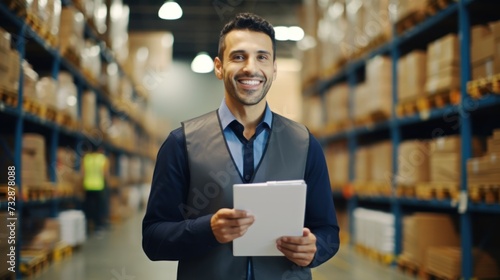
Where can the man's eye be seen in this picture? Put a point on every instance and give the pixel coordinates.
(238, 57)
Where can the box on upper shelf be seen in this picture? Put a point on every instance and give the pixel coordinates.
(412, 75)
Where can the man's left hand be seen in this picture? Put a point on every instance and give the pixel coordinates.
(298, 249)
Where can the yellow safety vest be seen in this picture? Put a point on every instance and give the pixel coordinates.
(94, 171)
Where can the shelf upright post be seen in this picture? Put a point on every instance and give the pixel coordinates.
(466, 139)
(352, 202)
(396, 140)
(18, 142)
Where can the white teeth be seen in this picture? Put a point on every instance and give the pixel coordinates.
(250, 82)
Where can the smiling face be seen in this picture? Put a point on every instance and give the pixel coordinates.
(247, 67)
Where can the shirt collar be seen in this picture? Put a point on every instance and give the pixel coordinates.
(226, 117)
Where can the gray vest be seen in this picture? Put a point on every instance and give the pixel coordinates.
(212, 175)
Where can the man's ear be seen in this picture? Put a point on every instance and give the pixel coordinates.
(275, 73)
(218, 68)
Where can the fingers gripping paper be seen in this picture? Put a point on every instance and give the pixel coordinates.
(278, 208)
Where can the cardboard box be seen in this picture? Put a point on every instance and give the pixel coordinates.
(412, 75)
(362, 165)
(445, 50)
(493, 145)
(495, 29)
(484, 69)
(477, 32)
(424, 230)
(89, 110)
(445, 167)
(381, 162)
(445, 261)
(5, 38)
(437, 85)
(482, 48)
(413, 162)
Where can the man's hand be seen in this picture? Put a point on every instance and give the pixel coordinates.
(229, 224)
(300, 250)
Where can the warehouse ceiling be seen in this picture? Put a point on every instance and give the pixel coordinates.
(198, 29)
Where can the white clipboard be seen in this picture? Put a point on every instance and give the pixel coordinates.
(278, 208)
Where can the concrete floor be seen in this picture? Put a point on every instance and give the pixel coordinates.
(118, 255)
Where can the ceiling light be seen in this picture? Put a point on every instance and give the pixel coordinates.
(281, 33)
(292, 33)
(295, 33)
(202, 63)
(170, 10)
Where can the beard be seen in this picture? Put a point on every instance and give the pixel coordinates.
(247, 97)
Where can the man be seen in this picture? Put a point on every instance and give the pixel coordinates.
(95, 174)
(190, 215)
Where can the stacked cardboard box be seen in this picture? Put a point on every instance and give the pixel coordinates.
(485, 50)
(33, 158)
(424, 230)
(71, 31)
(67, 101)
(117, 26)
(412, 75)
(362, 165)
(446, 262)
(69, 181)
(486, 169)
(337, 158)
(313, 112)
(42, 235)
(413, 162)
(361, 100)
(337, 102)
(443, 60)
(91, 60)
(46, 90)
(89, 110)
(446, 157)
(379, 83)
(381, 163)
(30, 79)
(9, 64)
(405, 8)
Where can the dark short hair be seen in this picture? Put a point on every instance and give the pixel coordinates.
(246, 21)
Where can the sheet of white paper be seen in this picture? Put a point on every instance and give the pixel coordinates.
(279, 209)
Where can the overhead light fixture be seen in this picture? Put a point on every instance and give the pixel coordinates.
(292, 33)
(170, 10)
(202, 63)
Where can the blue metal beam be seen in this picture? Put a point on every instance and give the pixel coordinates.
(465, 136)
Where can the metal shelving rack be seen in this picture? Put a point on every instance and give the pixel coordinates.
(462, 13)
(53, 131)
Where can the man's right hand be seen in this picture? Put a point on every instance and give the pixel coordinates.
(229, 224)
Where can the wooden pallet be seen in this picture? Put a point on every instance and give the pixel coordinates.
(384, 258)
(434, 6)
(43, 191)
(65, 119)
(70, 55)
(8, 97)
(407, 107)
(371, 118)
(61, 251)
(49, 113)
(484, 86)
(372, 189)
(406, 191)
(427, 275)
(410, 268)
(32, 106)
(409, 21)
(4, 192)
(487, 193)
(32, 263)
(438, 100)
(440, 191)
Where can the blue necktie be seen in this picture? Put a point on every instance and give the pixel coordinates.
(248, 160)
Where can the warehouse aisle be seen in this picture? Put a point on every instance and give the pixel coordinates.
(117, 255)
